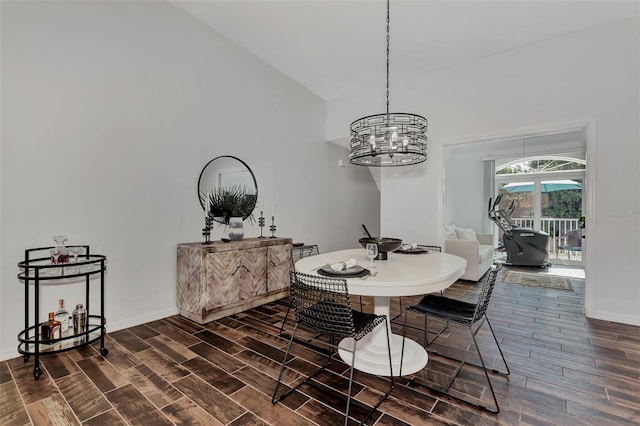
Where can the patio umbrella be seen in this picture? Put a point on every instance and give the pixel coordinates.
(547, 186)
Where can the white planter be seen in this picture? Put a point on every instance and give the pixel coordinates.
(236, 228)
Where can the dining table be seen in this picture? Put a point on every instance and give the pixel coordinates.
(399, 275)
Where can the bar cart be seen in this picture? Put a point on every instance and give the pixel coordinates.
(37, 270)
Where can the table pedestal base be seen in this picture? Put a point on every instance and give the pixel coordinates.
(374, 359)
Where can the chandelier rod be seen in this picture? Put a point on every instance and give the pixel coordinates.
(388, 50)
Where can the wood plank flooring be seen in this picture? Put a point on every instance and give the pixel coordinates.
(565, 369)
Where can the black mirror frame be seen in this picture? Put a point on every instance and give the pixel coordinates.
(253, 176)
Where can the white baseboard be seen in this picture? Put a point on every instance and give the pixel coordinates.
(6, 354)
(130, 322)
(9, 353)
(613, 317)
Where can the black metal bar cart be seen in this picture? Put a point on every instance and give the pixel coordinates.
(37, 270)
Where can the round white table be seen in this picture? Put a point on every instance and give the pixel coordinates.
(400, 275)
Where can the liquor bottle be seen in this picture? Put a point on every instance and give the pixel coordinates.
(50, 329)
(62, 315)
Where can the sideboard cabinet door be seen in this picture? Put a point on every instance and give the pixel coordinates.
(222, 283)
(279, 266)
(253, 272)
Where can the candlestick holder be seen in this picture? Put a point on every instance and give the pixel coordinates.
(272, 228)
(206, 231)
(261, 224)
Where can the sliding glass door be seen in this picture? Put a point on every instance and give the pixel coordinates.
(551, 202)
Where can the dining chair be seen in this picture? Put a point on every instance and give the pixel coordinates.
(323, 305)
(464, 314)
(297, 253)
(430, 249)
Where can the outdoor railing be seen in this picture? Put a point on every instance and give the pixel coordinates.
(557, 228)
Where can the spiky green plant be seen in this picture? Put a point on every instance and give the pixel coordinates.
(232, 201)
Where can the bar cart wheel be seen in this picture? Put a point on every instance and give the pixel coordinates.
(37, 372)
(25, 357)
(104, 351)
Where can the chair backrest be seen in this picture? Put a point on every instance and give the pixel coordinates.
(298, 252)
(488, 282)
(573, 239)
(322, 303)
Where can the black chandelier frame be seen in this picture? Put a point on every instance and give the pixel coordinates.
(389, 139)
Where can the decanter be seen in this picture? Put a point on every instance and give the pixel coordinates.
(63, 252)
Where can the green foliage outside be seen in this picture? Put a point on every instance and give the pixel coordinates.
(566, 204)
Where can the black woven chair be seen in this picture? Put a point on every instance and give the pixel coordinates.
(322, 304)
(464, 314)
(430, 249)
(297, 253)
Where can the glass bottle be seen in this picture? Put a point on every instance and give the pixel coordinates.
(49, 329)
(62, 316)
(63, 252)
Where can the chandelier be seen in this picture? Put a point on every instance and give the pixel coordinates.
(389, 139)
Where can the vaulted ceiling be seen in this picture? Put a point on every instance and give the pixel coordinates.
(337, 48)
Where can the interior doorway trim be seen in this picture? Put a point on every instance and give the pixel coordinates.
(591, 245)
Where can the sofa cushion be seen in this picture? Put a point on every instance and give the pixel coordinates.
(466, 234)
(485, 254)
(450, 233)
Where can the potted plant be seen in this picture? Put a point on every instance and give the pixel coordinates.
(231, 205)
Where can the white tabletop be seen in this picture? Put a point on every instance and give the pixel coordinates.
(399, 275)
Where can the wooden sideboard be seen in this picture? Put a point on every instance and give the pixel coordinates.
(221, 279)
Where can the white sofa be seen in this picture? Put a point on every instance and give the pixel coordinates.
(476, 249)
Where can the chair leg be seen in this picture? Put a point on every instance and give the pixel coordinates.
(386, 324)
(375, 407)
(353, 362)
(499, 349)
(284, 362)
(437, 334)
(486, 374)
(400, 309)
(274, 400)
(404, 336)
(285, 318)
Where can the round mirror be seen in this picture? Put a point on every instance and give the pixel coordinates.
(227, 188)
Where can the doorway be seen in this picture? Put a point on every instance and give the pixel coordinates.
(547, 194)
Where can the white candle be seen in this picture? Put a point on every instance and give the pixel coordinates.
(274, 209)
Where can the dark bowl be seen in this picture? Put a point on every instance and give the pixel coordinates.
(384, 245)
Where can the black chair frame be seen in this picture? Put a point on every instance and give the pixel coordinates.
(463, 314)
(430, 249)
(323, 305)
(297, 253)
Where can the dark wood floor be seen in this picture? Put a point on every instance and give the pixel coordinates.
(566, 370)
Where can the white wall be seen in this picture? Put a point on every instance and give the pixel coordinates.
(109, 112)
(588, 76)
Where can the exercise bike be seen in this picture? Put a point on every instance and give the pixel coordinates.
(524, 246)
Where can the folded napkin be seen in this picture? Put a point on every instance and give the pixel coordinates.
(409, 246)
(339, 266)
